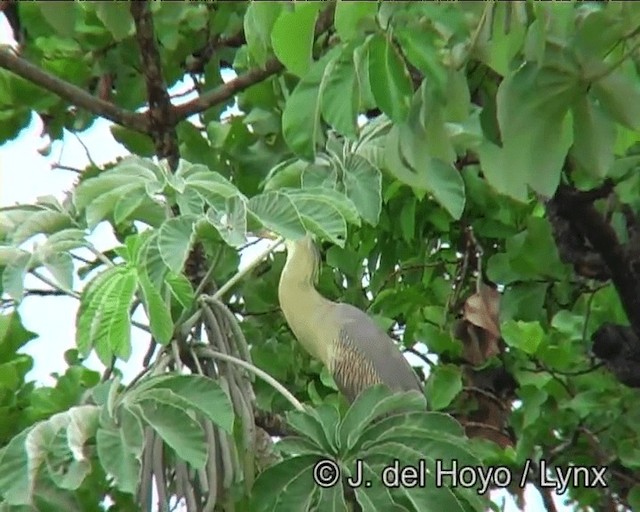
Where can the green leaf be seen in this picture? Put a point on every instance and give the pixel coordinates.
(13, 335)
(427, 496)
(136, 142)
(103, 319)
(429, 425)
(212, 186)
(320, 216)
(232, 222)
(526, 336)
(319, 425)
(442, 179)
(285, 486)
(594, 136)
(299, 446)
(116, 17)
(352, 18)
(15, 271)
(157, 310)
(620, 97)
(339, 201)
(375, 497)
(175, 238)
(389, 79)
(408, 220)
(507, 38)
(421, 49)
(14, 473)
(277, 212)
(301, 116)
(363, 185)
(292, 37)
(61, 16)
(44, 221)
(60, 443)
(258, 23)
(182, 433)
(530, 122)
(118, 460)
(341, 97)
(332, 498)
(373, 403)
(199, 392)
(444, 384)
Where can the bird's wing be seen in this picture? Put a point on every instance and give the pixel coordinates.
(377, 352)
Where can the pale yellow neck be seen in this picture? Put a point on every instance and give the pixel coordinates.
(303, 307)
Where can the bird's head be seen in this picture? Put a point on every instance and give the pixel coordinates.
(303, 258)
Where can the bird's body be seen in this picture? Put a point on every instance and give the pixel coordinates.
(355, 350)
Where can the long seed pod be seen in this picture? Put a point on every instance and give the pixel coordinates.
(211, 467)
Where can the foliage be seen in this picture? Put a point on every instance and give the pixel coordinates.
(472, 169)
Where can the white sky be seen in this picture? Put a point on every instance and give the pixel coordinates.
(25, 174)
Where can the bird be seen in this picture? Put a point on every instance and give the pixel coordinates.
(357, 352)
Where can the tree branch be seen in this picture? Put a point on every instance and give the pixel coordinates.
(228, 90)
(605, 241)
(160, 113)
(71, 93)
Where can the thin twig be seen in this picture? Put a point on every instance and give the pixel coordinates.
(53, 285)
(258, 259)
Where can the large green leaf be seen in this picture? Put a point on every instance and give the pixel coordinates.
(389, 79)
(103, 321)
(181, 432)
(443, 386)
(231, 223)
(292, 36)
(175, 238)
(14, 471)
(301, 115)
(594, 136)
(116, 17)
(318, 425)
(117, 459)
(536, 131)
(371, 404)
(286, 486)
(277, 212)
(408, 159)
(200, 393)
(62, 16)
(258, 22)
(353, 18)
(341, 96)
(13, 335)
(363, 185)
(619, 96)
(157, 310)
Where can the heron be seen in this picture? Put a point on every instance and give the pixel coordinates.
(357, 352)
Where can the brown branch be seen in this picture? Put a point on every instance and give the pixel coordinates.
(71, 93)
(605, 241)
(160, 113)
(272, 423)
(227, 91)
(200, 58)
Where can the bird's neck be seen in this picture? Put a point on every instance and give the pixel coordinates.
(304, 308)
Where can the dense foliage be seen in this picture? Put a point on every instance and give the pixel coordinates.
(472, 170)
